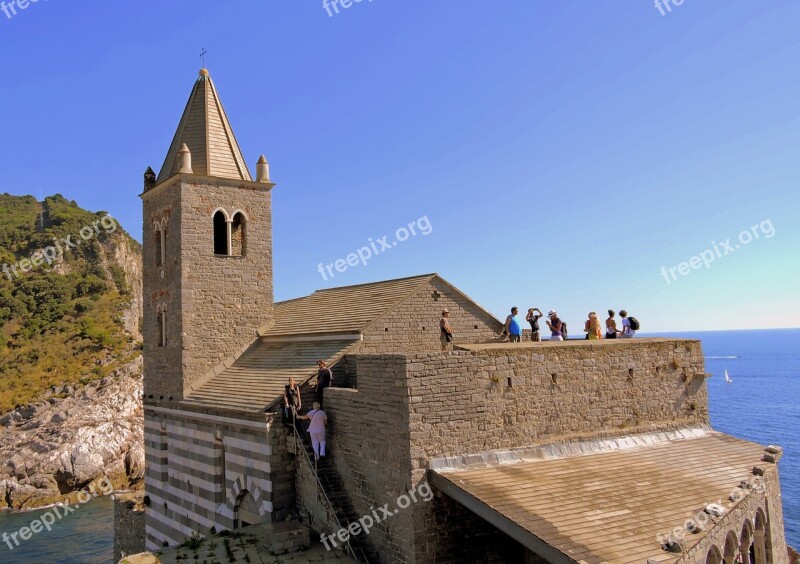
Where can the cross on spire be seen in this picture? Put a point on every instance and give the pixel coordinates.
(203, 56)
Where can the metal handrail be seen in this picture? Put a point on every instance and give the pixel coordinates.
(299, 446)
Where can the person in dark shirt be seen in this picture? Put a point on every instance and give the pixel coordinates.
(534, 314)
(324, 378)
(291, 400)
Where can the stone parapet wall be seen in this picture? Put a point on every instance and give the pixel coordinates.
(409, 409)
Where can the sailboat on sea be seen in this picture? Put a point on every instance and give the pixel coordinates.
(728, 379)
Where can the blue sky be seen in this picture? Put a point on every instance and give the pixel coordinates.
(562, 151)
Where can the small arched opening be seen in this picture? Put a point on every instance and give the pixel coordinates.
(761, 538)
(221, 247)
(238, 235)
(714, 556)
(731, 549)
(246, 511)
(746, 546)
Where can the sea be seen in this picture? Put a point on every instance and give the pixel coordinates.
(760, 404)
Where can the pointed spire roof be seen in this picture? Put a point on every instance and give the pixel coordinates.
(205, 129)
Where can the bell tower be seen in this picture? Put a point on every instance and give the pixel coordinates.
(207, 256)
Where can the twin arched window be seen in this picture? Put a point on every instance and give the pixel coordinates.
(230, 234)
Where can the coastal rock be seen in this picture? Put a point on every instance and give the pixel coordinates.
(54, 449)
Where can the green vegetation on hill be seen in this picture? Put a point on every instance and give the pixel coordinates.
(59, 324)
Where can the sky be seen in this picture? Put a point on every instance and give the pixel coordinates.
(561, 154)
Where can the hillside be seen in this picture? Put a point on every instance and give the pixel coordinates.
(72, 320)
(70, 350)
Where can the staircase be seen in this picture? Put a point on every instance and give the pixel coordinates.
(333, 488)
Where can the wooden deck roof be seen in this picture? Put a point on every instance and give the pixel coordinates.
(606, 507)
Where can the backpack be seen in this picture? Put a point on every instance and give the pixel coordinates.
(564, 330)
(634, 323)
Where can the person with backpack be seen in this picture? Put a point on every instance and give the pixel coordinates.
(629, 325)
(558, 329)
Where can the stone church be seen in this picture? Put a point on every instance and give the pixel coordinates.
(581, 451)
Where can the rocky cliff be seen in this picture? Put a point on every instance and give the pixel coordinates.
(76, 435)
(70, 351)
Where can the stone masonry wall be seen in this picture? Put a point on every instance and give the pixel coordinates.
(414, 325)
(462, 403)
(199, 465)
(128, 525)
(225, 299)
(162, 210)
(368, 439)
(410, 409)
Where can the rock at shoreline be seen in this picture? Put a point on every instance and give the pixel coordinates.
(54, 448)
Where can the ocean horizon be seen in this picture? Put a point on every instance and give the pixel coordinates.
(758, 405)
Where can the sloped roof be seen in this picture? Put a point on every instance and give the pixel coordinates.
(257, 378)
(205, 129)
(347, 309)
(606, 507)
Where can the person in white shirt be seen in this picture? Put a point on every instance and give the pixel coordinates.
(627, 332)
(317, 429)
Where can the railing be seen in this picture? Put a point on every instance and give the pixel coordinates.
(299, 445)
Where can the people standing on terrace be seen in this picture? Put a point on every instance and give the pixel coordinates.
(324, 378)
(592, 327)
(319, 420)
(534, 314)
(445, 331)
(513, 327)
(627, 331)
(611, 326)
(555, 325)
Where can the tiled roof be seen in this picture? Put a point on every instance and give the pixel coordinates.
(205, 129)
(257, 378)
(342, 310)
(606, 507)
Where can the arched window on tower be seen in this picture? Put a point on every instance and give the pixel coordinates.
(161, 320)
(238, 235)
(221, 241)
